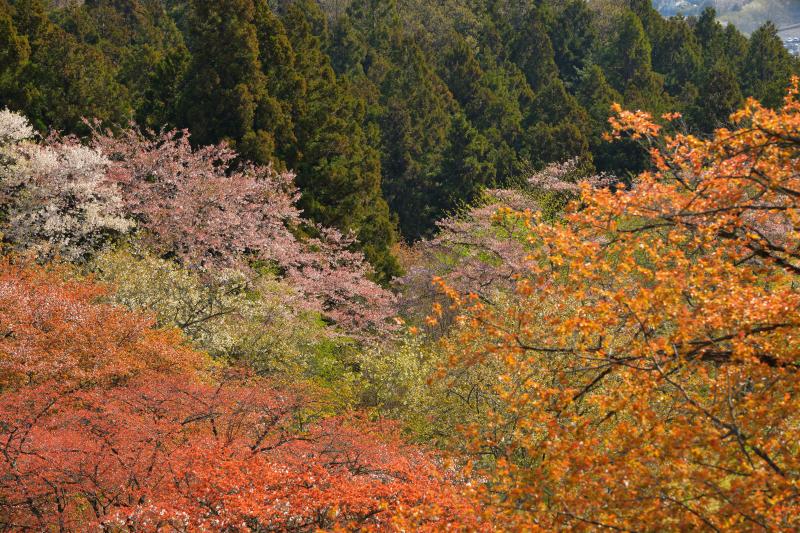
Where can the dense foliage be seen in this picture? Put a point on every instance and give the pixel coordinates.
(646, 368)
(110, 424)
(420, 105)
(203, 326)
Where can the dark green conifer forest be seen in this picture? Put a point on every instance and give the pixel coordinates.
(392, 113)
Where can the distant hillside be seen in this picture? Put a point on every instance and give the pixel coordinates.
(747, 15)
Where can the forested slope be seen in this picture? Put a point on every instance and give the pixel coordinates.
(391, 113)
(210, 321)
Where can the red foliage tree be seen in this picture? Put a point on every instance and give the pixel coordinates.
(53, 329)
(108, 424)
(170, 452)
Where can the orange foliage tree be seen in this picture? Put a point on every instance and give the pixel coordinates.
(650, 364)
(108, 424)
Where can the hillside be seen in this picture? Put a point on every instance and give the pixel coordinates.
(433, 102)
(397, 265)
(747, 15)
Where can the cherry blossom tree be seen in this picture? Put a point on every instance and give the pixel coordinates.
(485, 249)
(201, 207)
(205, 209)
(57, 199)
